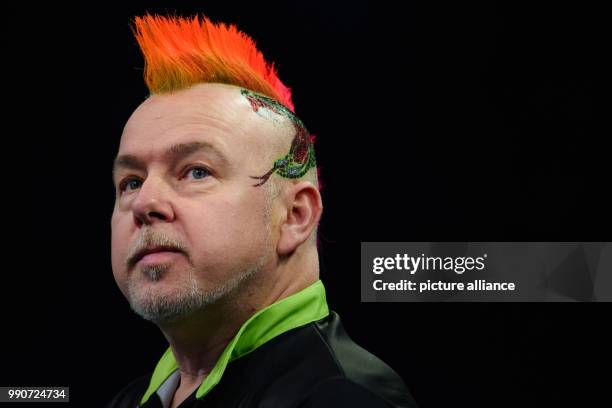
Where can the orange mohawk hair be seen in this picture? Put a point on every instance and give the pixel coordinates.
(180, 52)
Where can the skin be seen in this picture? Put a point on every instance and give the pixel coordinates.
(226, 228)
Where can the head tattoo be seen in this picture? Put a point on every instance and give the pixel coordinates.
(301, 156)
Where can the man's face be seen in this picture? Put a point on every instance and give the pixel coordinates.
(182, 180)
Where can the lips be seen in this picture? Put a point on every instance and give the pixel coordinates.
(142, 253)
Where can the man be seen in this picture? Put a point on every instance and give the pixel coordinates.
(214, 235)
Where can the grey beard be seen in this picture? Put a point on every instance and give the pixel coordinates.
(186, 299)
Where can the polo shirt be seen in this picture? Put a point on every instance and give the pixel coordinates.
(292, 353)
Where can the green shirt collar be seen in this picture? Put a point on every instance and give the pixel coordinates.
(298, 309)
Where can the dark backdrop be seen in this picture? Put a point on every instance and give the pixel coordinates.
(434, 123)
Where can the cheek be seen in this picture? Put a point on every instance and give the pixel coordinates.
(229, 227)
(119, 248)
(247, 218)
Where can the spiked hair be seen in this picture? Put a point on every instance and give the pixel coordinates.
(180, 52)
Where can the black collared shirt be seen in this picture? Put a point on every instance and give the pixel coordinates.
(276, 360)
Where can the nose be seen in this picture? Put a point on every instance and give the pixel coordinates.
(152, 203)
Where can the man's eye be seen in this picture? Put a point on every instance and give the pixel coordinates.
(129, 183)
(199, 172)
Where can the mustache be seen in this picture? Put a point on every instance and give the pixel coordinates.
(151, 238)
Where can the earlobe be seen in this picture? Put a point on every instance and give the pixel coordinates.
(303, 214)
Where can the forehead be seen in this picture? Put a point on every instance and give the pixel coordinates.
(215, 115)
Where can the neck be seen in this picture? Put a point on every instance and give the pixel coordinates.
(197, 342)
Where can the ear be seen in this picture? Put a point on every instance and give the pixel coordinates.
(304, 208)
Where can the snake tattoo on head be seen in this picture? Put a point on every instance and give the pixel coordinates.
(301, 156)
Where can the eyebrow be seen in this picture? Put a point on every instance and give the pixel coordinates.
(175, 153)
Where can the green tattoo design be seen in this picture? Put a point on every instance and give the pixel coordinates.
(301, 156)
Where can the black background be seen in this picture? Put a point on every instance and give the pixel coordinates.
(434, 123)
